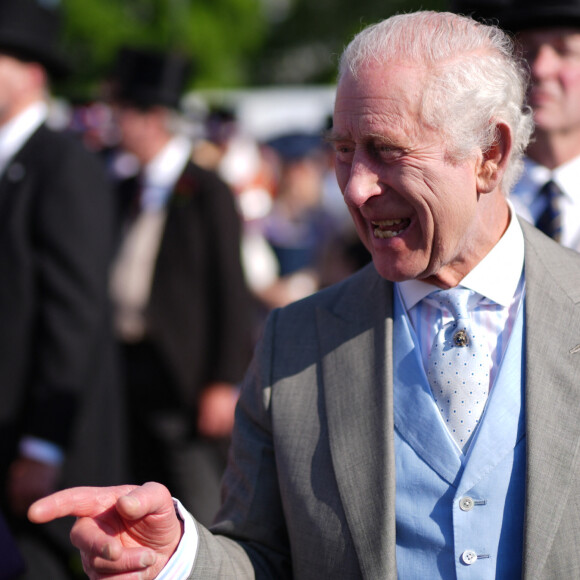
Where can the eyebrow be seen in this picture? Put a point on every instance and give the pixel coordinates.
(332, 137)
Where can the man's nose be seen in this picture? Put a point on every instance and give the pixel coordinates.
(545, 62)
(363, 183)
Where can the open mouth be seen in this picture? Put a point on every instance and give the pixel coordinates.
(390, 228)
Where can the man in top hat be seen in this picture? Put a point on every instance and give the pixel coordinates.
(58, 373)
(182, 309)
(548, 194)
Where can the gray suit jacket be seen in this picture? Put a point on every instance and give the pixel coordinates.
(310, 490)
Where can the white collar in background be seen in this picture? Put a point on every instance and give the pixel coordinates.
(565, 176)
(166, 167)
(162, 173)
(496, 277)
(17, 131)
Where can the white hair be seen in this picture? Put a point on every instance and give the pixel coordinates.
(475, 78)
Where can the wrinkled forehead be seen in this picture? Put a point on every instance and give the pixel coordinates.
(378, 95)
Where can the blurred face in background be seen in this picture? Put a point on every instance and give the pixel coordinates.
(133, 124)
(143, 131)
(301, 183)
(21, 83)
(554, 58)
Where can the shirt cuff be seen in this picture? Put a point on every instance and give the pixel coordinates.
(41, 450)
(180, 565)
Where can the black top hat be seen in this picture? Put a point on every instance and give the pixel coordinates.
(487, 11)
(526, 14)
(146, 78)
(29, 30)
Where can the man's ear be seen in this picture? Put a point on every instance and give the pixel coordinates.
(494, 161)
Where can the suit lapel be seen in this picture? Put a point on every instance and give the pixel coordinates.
(16, 169)
(357, 383)
(552, 410)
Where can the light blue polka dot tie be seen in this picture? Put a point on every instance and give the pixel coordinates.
(458, 368)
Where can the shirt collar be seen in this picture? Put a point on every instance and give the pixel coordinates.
(15, 133)
(565, 176)
(496, 277)
(166, 167)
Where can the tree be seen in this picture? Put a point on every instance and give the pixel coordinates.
(305, 45)
(221, 36)
(233, 43)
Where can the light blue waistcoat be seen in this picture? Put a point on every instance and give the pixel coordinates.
(458, 516)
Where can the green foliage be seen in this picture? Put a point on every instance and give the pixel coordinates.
(233, 43)
(225, 36)
(304, 48)
(221, 37)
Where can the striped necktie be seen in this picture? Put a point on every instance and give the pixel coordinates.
(550, 220)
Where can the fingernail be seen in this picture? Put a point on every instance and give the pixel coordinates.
(132, 501)
(147, 559)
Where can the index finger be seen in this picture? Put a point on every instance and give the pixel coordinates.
(76, 501)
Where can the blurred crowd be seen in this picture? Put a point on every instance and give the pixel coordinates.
(297, 235)
(142, 249)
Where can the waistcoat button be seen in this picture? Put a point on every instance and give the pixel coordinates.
(466, 504)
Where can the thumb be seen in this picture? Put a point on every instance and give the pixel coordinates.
(149, 499)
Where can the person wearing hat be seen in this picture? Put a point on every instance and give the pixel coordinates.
(548, 194)
(486, 11)
(182, 309)
(299, 228)
(58, 371)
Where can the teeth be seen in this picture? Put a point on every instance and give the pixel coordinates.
(384, 223)
(386, 233)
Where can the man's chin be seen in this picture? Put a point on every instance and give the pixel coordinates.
(391, 272)
(547, 122)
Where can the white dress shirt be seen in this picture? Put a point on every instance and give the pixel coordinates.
(498, 283)
(529, 205)
(17, 131)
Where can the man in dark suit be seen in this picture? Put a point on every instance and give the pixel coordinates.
(351, 458)
(58, 373)
(182, 309)
(12, 563)
(548, 194)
